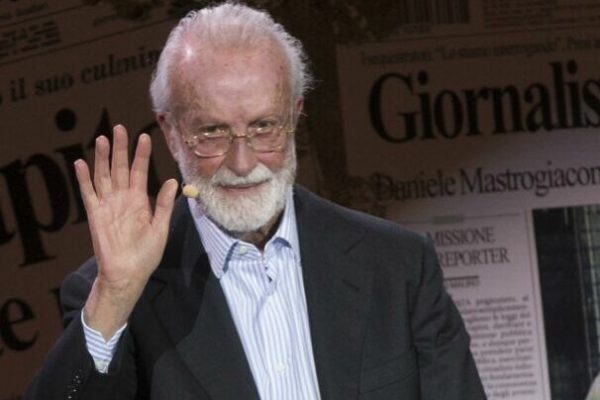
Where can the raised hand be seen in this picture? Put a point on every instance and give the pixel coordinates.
(128, 236)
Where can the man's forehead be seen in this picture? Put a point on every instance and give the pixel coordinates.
(204, 71)
(206, 57)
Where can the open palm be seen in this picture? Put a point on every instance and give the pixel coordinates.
(128, 236)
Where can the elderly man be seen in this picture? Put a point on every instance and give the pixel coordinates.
(249, 288)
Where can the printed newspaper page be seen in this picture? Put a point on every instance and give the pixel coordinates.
(477, 125)
(69, 70)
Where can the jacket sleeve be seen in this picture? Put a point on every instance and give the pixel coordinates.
(69, 371)
(446, 365)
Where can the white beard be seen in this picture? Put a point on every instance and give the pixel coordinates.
(247, 213)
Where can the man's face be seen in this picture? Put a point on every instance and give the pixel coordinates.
(242, 190)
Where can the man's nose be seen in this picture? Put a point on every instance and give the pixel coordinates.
(241, 158)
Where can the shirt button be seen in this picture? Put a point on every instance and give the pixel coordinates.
(280, 367)
(242, 250)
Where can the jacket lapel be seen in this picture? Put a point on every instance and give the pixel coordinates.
(192, 307)
(337, 286)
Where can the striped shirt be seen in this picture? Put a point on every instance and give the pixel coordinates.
(101, 351)
(265, 294)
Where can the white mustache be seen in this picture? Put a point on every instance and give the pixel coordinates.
(225, 177)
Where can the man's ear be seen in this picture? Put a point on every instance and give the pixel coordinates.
(169, 132)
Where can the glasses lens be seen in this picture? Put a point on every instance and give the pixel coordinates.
(268, 141)
(209, 147)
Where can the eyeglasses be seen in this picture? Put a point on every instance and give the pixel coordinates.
(264, 135)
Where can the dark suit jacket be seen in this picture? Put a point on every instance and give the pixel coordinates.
(382, 326)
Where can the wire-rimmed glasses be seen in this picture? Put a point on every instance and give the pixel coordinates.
(264, 135)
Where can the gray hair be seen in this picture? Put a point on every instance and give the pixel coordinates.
(228, 25)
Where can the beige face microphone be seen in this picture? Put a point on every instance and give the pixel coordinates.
(189, 191)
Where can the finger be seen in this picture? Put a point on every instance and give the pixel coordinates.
(102, 181)
(88, 195)
(164, 205)
(139, 168)
(120, 160)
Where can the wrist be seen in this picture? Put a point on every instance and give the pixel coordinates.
(108, 306)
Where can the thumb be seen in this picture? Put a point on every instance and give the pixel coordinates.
(164, 205)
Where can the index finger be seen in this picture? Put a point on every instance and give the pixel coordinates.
(139, 168)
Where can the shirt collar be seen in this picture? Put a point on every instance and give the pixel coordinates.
(219, 245)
